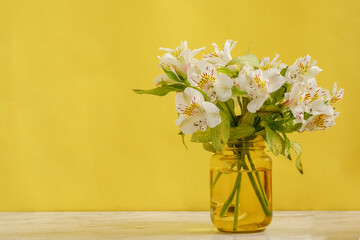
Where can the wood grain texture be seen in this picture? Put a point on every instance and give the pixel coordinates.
(319, 225)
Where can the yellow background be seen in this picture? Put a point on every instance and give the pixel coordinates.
(74, 137)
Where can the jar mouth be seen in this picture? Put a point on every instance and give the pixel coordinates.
(249, 139)
(254, 142)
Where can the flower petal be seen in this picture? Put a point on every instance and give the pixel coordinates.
(256, 103)
(313, 71)
(223, 87)
(319, 107)
(190, 125)
(212, 114)
(275, 79)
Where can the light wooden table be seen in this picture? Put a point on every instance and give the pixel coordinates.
(337, 225)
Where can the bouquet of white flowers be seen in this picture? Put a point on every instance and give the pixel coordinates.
(220, 99)
(274, 99)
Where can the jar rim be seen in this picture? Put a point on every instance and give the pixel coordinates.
(254, 139)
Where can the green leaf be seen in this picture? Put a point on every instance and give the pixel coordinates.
(163, 90)
(238, 92)
(209, 147)
(268, 110)
(307, 115)
(171, 75)
(277, 126)
(230, 73)
(274, 140)
(201, 136)
(251, 59)
(262, 133)
(278, 95)
(298, 149)
(220, 134)
(283, 71)
(231, 104)
(287, 145)
(291, 126)
(247, 119)
(241, 132)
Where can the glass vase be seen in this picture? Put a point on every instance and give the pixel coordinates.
(240, 186)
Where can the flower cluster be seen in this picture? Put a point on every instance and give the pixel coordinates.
(243, 96)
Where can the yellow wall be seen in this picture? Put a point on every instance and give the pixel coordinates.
(74, 137)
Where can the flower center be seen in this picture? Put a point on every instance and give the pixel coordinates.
(176, 53)
(259, 82)
(315, 97)
(266, 65)
(334, 99)
(193, 109)
(206, 81)
(320, 120)
(213, 54)
(304, 67)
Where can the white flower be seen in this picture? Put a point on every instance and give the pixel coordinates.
(194, 112)
(319, 122)
(336, 95)
(302, 70)
(179, 60)
(258, 84)
(307, 98)
(266, 64)
(220, 57)
(204, 76)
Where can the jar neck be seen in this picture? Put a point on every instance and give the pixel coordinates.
(252, 143)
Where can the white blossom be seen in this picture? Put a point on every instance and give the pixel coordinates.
(319, 122)
(194, 112)
(307, 98)
(303, 70)
(204, 76)
(336, 95)
(220, 57)
(179, 60)
(266, 64)
(258, 84)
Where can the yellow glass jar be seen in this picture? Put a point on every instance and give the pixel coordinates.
(240, 186)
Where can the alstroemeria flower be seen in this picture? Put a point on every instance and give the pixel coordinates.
(194, 112)
(180, 59)
(302, 70)
(220, 57)
(307, 98)
(204, 76)
(266, 64)
(319, 122)
(258, 84)
(336, 95)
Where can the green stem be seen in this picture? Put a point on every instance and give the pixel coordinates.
(257, 191)
(218, 175)
(231, 113)
(237, 201)
(258, 178)
(226, 205)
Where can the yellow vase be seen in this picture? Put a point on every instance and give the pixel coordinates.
(240, 186)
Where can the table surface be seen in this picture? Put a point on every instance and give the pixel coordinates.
(337, 225)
